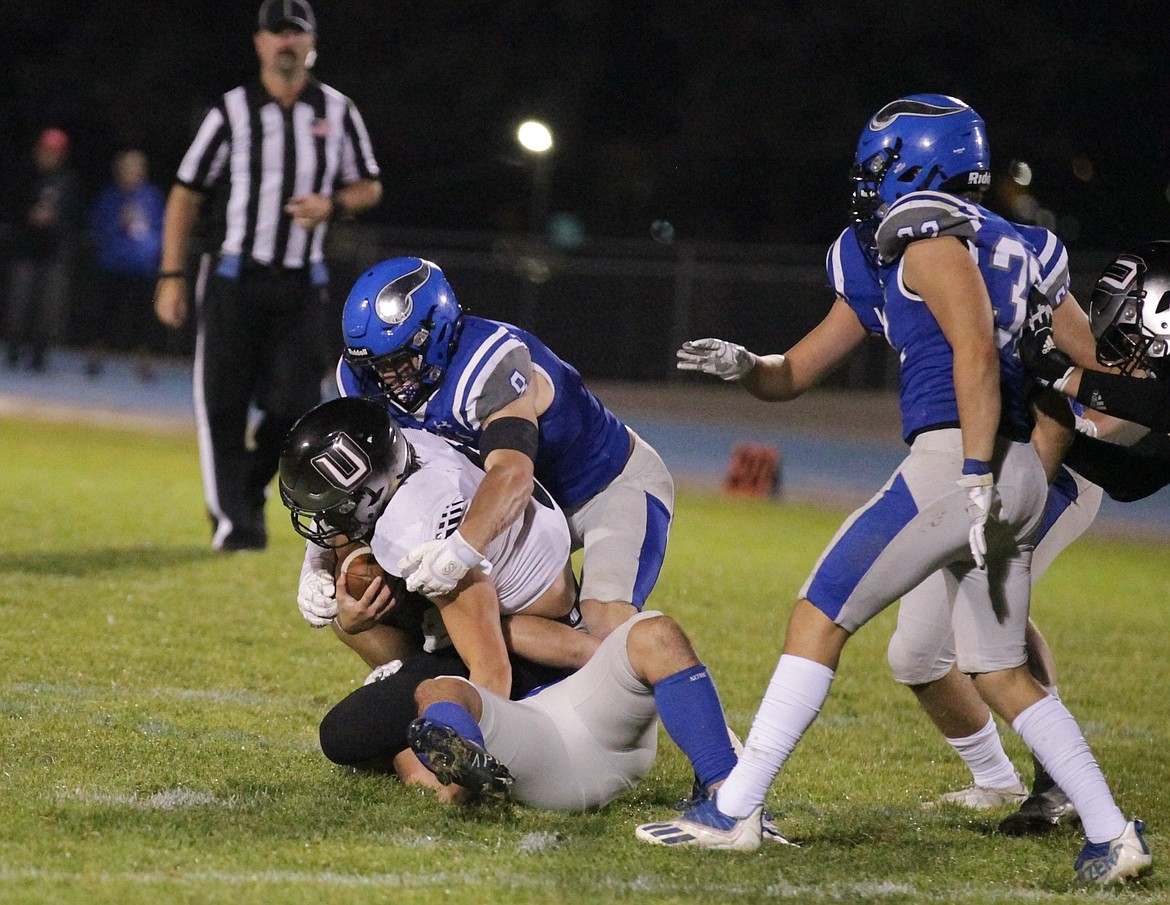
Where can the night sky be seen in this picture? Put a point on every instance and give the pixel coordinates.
(734, 121)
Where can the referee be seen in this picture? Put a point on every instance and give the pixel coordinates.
(295, 154)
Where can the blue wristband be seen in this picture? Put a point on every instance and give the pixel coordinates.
(976, 467)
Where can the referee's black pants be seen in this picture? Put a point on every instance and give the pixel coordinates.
(258, 347)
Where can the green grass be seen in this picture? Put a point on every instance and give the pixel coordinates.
(159, 706)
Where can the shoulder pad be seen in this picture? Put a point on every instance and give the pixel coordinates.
(925, 215)
(497, 375)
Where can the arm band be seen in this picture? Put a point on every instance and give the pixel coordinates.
(170, 274)
(519, 434)
(1144, 401)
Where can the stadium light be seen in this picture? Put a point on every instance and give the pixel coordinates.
(536, 139)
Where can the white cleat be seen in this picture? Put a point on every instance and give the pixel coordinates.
(705, 826)
(1125, 858)
(982, 798)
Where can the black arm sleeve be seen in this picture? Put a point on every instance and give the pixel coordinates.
(1144, 401)
(1126, 473)
(519, 434)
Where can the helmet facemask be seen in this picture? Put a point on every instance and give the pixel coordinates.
(352, 518)
(1117, 312)
(406, 380)
(867, 208)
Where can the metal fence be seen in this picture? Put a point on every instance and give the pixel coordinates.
(617, 309)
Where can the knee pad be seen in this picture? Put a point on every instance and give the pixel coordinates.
(917, 665)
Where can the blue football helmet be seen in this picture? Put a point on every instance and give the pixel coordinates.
(922, 141)
(401, 324)
(340, 465)
(1129, 311)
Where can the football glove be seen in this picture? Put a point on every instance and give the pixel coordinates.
(316, 593)
(981, 499)
(1047, 364)
(728, 361)
(434, 568)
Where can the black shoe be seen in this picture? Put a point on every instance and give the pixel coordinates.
(455, 759)
(1040, 812)
(243, 540)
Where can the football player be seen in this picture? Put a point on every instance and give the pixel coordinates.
(1130, 315)
(952, 280)
(501, 390)
(583, 741)
(921, 650)
(348, 472)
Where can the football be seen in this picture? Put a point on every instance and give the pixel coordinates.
(357, 567)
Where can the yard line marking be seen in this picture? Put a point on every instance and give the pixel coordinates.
(831, 892)
(166, 800)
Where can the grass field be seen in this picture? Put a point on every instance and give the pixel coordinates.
(159, 706)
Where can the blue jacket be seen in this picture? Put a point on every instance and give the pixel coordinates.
(127, 229)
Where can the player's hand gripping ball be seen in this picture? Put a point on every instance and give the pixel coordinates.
(357, 567)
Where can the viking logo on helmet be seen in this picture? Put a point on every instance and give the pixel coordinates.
(909, 106)
(395, 301)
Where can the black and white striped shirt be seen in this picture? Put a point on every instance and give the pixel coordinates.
(269, 154)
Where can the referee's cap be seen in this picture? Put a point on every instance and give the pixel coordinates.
(276, 14)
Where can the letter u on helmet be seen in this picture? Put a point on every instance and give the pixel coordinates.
(401, 324)
(918, 142)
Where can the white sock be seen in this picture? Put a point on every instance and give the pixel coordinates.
(984, 756)
(794, 697)
(1051, 689)
(1055, 738)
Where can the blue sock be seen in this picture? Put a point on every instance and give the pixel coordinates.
(690, 710)
(448, 713)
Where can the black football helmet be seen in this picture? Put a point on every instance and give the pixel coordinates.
(340, 465)
(1129, 311)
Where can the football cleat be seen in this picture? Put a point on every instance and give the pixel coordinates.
(699, 794)
(982, 798)
(705, 826)
(1040, 812)
(1125, 858)
(455, 759)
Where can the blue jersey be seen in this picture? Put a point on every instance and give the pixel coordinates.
(1012, 260)
(583, 446)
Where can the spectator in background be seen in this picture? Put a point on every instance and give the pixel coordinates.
(44, 238)
(127, 233)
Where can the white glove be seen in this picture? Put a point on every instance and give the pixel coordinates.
(981, 499)
(316, 591)
(434, 568)
(385, 671)
(728, 361)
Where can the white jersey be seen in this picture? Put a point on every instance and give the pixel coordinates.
(523, 561)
